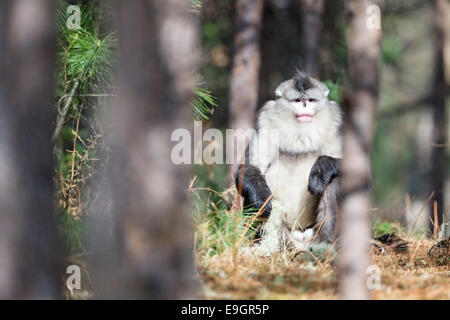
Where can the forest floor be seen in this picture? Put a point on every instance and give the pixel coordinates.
(410, 275)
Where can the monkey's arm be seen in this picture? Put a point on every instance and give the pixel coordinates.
(250, 181)
(252, 185)
(323, 172)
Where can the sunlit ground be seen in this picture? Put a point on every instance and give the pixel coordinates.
(412, 275)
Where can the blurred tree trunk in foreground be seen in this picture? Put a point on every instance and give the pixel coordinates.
(312, 11)
(279, 54)
(364, 47)
(30, 256)
(245, 71)
(333, 53)
(438, 156)
(151, 252)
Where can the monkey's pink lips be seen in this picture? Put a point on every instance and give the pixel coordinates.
(304, 117)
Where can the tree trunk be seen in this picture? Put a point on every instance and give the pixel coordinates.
(245, 71)
(438, 155)
(31, 264)
(150, 254)
(364, 47)
(312, 11)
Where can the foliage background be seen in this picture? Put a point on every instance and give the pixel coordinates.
(86, 62)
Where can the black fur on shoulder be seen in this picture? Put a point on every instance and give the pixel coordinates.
(251, 185)
(324, 170)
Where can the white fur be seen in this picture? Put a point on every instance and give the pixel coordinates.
(320, 135)
(287, 178)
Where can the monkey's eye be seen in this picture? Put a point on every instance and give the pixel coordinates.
(312, 100)
(298, 100)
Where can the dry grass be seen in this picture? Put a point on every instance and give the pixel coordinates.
(228, 273)
(412, 275)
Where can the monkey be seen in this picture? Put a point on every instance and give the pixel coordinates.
(301, 168)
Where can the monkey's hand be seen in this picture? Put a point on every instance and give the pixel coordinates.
(324, 170)
(296, 239)
(251, 184)
(302, 240)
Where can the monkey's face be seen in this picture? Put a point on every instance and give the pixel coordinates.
(304, 108)
(303, 98)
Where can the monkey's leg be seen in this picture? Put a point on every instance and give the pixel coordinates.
(323, 182)
(325, 225)
(252, 185)
(324, 170)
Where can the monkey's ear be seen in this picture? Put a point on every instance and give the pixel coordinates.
(278, 92)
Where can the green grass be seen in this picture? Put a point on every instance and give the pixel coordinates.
(383, 227)
(218, 227)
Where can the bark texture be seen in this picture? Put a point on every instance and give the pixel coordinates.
(353, 220)
(312, 11)
(31, 264)
(245, 71)
(439, 135)
(148, 252)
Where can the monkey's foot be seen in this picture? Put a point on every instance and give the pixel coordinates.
(302, 240)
